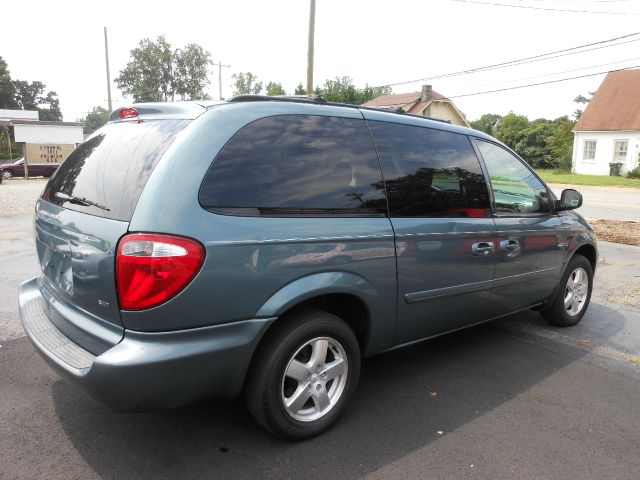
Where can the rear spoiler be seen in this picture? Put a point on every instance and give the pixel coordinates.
(176, 110)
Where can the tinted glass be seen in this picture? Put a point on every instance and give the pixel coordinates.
(296, 164)
(515, 188)
(111, 168)
(430, 173)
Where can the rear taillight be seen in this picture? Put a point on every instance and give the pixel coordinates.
(152, 268)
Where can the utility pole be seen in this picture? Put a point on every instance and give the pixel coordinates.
(312, 27)
(220, 65)
(9, 143)
(106, 57)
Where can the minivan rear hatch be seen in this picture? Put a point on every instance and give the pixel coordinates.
(86, 208)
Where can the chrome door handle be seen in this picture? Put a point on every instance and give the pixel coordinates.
(510, 247)
(482, 249)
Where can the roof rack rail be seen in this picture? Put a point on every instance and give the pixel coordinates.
(279, 98)
(318, 100)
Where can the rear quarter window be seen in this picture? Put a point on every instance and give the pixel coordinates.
(297, 165)
(111, 168)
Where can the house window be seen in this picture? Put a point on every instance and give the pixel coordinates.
(589, 150)
(620, 151)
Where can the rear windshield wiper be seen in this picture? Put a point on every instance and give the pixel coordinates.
(80, 201)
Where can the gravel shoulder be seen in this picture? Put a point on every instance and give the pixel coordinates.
(18, 196)
(617, 231)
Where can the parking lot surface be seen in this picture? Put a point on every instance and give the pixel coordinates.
(513, 398)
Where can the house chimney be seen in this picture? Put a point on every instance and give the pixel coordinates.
(427, 92)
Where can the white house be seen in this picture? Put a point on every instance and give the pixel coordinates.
(609, 129)
(427, 103)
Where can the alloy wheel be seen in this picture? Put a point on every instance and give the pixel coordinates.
(314, 379)
(576, 291)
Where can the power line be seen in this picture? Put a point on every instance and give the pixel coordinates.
(576, 1)
(540, 83)
(520, 61)
(542, 8)
(558, 73)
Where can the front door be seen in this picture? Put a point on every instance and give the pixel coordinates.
(531, 239)
(445, 237)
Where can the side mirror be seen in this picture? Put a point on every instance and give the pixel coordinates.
(569, 200)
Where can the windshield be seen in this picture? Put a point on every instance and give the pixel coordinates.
(106, 174)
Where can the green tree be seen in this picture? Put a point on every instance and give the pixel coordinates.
(532, 145)
(369, 93)
(51, 112)
(300, 90)
(24, 95)
(274, 89)
(190, 75)
(486, 123)
(342, 90)
(246, 83)
(510, 128)
(95, 119)
(6, 138)
(30, 96)
(7, 90)
(582, 100)
(157, 73)
(560, 143)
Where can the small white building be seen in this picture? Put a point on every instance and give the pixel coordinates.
(609, 129)
(45, 142)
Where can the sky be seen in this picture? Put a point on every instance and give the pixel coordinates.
(373, 42)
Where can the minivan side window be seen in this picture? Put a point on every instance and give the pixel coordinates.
(516, 190)
(429, 172)
(296, 164)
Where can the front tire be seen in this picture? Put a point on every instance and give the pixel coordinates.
(303, 375)
(573, 295)
(8, 174)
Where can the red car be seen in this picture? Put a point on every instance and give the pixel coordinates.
(16, 169)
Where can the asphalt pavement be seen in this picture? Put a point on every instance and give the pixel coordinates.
(514, 398)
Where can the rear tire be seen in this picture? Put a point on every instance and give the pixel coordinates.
(573, 295)
(303, 375)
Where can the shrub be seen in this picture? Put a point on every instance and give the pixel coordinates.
(635, 173)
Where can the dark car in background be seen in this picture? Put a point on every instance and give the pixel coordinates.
(16, 169)
(1, 174)
(263, 246)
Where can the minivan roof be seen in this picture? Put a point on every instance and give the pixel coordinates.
(192, 109)
(319, 100)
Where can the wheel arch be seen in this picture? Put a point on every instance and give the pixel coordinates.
(342, 294)
(590, 252)
(585, 249)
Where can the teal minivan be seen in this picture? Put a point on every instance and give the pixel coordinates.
(263, 246)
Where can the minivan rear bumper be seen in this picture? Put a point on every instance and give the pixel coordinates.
(146, 371)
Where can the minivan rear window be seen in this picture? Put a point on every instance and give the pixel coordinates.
(106, 174)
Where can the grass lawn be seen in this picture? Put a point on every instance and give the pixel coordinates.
(558, 176)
